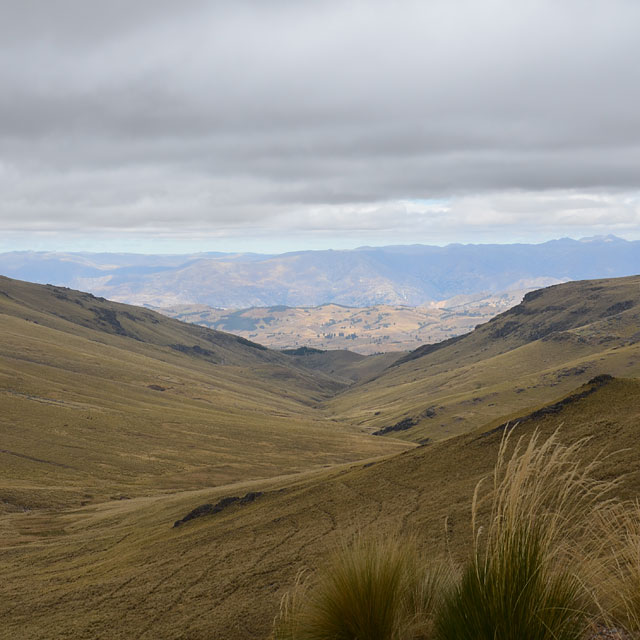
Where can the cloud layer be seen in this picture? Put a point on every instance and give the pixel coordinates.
(228, 119)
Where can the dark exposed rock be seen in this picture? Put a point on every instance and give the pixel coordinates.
(249, 343)
(532, 295)
(573, 371)
(601, 379)
(157, 387)
(618, 307)
(564, 336)
(592, 386)
(109, 317)
(403, 425)
(506, 329)
(522, 310)
(211, 509)
(542, 331)
(194, 350)
(580, 311)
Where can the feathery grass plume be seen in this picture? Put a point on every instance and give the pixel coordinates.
(288, 624)
(371, 589)
(521, 582)
(616, 565)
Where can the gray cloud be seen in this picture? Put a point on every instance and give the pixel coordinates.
(207, 116)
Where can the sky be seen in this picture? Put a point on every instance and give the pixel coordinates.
(254, 125)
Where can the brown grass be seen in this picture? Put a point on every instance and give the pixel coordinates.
(615, 565)
(379, 589)
(522, 581)
(87, 415)
(484, 378)
(116, 568)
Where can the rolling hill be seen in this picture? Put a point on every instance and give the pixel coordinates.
(118, 422)
(101, 399)
(366, 330)
(555, 339)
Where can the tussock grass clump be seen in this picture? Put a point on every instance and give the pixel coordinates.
(512, 596)
(616, 565)
(527, 577)
(371, 589)
(522, 580)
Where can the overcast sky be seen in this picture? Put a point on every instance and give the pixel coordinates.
(268, 125)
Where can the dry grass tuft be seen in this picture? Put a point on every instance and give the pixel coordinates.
(373, 589)
(615, 565)
(522, 580)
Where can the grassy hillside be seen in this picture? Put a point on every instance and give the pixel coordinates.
(117, 422)
(342, 365)
(102, 400)
(120, 570)
(555, 339)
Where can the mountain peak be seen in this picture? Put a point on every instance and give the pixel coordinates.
(608, 238)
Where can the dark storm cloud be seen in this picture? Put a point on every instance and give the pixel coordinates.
(212, 114)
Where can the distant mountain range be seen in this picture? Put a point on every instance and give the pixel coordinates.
(396, 275)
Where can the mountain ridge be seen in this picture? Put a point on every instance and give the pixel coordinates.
(557, 337)
(397, 274)
(367, 330)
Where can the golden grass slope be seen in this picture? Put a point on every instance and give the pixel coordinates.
(119, 569)
(555, 339)
(342, 365)
(100, 400)
(103, 401)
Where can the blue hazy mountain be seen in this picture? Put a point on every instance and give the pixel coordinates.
(405, 274)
